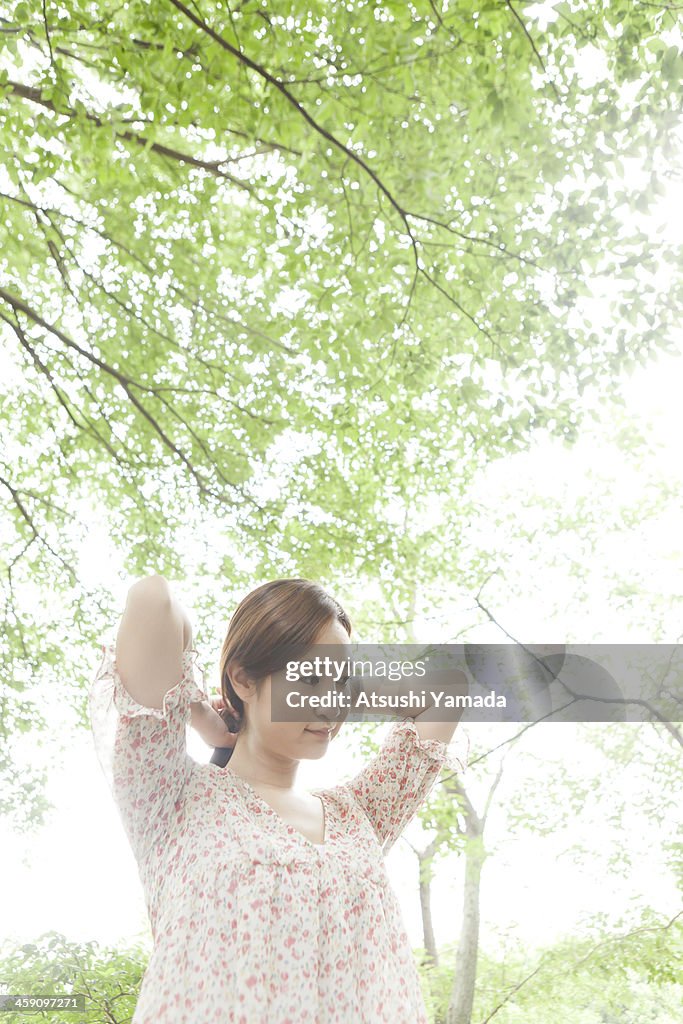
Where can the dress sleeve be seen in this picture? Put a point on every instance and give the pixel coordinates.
(142, 750)
(395, 783)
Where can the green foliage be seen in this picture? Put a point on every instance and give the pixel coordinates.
(618, 975)
(54, 965)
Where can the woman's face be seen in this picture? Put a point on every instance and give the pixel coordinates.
(310, 737)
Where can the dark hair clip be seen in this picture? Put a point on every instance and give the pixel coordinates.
(221, 756)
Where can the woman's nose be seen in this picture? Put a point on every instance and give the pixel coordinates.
(331, 715)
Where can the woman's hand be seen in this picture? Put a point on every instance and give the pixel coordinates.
(207, 720)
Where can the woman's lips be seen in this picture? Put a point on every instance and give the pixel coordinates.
(322, 734)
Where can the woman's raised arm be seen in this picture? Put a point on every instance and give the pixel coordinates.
(149, 685)
(153, 634)
(150, 641)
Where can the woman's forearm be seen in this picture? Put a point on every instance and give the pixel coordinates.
(209, 724)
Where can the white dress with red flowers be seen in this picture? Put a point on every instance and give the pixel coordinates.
(252, 922)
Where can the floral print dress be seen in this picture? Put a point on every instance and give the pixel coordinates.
(253, 923)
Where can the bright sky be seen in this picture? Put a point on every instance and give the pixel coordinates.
(78, 876)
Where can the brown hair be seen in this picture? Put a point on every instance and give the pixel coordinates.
(276, 621)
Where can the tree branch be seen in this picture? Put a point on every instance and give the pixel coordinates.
(34, 95)
(281, 87)
(526, 32)
(576, 697)
(126, 383)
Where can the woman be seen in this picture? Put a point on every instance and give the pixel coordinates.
(268, 905)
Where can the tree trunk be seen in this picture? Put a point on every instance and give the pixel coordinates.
(462, 993)
(431, 957)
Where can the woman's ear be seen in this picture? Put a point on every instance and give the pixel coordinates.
(242, 684)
